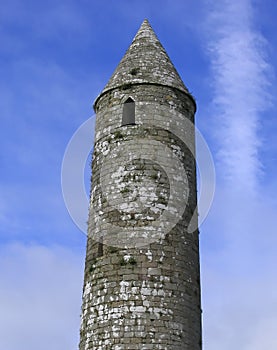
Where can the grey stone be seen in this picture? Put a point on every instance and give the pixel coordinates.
(142, 286)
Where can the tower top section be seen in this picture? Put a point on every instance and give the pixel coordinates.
(145, 62)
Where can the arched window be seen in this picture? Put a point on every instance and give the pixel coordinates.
(128, 117)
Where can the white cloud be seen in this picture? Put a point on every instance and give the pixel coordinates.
(240, 313)
(40, 297)
(238, 272)
(239, 237)
(241, 89)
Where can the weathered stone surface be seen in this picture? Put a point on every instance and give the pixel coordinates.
(146, 61)
(142, 282)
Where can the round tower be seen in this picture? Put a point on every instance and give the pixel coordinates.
(142, 280)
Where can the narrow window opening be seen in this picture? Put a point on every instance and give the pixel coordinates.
(128, 117)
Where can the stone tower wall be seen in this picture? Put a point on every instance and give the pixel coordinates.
(142, 287)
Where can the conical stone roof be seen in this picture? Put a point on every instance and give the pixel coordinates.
(146, 61)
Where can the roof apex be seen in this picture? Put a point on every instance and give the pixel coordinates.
(145, 61)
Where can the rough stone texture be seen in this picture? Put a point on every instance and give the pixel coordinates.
(142, 281)
(136, 66)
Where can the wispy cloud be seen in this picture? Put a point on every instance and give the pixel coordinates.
(240, 310)
(238, 272)
(241, 89)
(40, 297)
(239, 237)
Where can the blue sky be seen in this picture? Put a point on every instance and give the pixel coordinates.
(55, 59)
